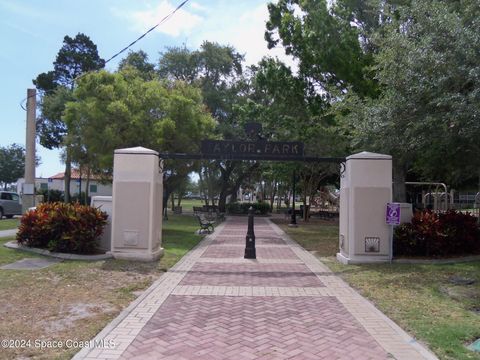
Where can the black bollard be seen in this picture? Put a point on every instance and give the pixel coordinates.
(250, 252)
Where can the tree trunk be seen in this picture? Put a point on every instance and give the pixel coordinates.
(68, 175)
(80, 173)
(272, 194)
(222, 201)
(87, 186)
(478, 205)
(202, 187)
(225, 174)
(399, 190)
(166, 195)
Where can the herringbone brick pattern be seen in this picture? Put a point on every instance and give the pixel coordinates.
(213, 327)
(264, 240)
(226, 252)
(214, 304)
(251, 275)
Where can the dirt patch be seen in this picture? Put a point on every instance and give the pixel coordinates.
(70, 300)
(462, 293)
(65, 319)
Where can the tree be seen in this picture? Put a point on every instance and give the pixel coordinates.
(77, 56)
(123, 110)
(330, 41)
(291, 110)
(138, 60)
(217, 71)
(427, 115)
(12, 164)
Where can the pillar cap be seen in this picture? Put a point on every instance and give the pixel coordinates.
(365, 155)
(136, 151)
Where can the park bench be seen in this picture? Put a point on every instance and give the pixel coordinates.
(205, 224)
(210, 212)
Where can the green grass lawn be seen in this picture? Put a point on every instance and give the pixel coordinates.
(186, 204)
(7, 224)
(76, 299)
(422, 299)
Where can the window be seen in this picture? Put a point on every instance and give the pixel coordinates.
(6, 196)
(93, 188)
(43, 186)
(14, 197)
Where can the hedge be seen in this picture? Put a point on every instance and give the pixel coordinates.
(261, 208)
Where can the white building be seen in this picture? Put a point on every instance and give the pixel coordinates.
(57, 182)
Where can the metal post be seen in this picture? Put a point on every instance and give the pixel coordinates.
(250, 252)
(293, 221)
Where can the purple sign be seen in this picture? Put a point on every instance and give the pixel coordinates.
(392, 216)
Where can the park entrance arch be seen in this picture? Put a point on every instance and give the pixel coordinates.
(365, 189)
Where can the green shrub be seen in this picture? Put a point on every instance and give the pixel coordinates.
(431, 234)
(76, 198)
(261, 208)
(51, 196)
(60, 227)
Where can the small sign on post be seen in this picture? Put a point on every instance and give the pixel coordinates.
(392, 215)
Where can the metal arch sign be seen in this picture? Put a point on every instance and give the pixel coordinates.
(253, 149)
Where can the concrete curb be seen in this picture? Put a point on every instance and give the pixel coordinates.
(8, 233)
(14, 245)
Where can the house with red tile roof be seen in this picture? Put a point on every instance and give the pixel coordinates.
(97, 186)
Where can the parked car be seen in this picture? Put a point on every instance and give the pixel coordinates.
(9, 204)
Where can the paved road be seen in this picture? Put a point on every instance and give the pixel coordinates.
(285, 305)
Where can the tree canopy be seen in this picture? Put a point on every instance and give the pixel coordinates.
(121, 110)
(427, 116)
(12, 164)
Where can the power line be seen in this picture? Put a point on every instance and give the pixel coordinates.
(126, 47)
(28, 97)
(148, 31)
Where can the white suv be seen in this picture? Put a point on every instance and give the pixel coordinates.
(9, 204)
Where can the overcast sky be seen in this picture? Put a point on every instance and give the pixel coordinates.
(32, 32)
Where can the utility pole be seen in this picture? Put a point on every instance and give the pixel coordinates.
(28, 196)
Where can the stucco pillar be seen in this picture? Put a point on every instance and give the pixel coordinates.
(365, 190)
(137, 205)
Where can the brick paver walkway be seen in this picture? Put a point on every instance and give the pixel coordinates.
(284, 305)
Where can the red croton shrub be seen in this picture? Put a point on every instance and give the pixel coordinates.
(431, 234)
(60, 227)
